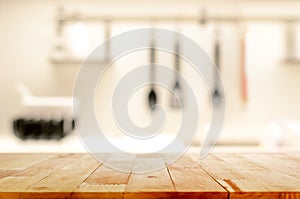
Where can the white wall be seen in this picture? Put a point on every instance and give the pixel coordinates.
(28, 31)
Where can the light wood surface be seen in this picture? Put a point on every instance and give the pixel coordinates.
(217, 176)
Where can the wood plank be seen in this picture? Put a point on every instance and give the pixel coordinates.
(153, 185)
(62, 182)
(294, 156)
(194, 182)
(37, 171)
(216, 167)
(87, 191)
(156, 184)
(278, 162)
(105, 175)
(5, 173)
(238, 162)
(123, 161)
(10, 161)
(216, 176)
(17, 183)
(103, 183)
(244, 178)
(144, 164)
(47, 167)
(106, 182)
(184, 161)
(268, 182)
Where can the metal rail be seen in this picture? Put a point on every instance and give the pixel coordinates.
(200, 18)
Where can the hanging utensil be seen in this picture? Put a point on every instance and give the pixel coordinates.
(152, 98)
(217, 96)
(244, 83)
(177, 97)
(107, 33)
(290, 41)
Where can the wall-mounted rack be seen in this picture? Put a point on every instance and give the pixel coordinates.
(203, 18)
(75, 61)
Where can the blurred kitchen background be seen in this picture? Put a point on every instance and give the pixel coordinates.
(43, 44)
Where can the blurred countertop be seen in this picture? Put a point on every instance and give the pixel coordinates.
(72, 144)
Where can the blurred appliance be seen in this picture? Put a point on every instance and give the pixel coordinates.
(43, 127)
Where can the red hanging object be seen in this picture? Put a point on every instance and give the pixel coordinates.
(244, 83)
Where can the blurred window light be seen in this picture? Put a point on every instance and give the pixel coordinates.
(79, 40)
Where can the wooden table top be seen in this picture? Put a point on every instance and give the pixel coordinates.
(216, 176)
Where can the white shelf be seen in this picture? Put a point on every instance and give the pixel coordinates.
(76, 61)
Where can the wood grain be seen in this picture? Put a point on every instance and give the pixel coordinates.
(277, 162)
(197, 183)
(71, 176)
(157, 184)
(103, 183)
(34, 171)
(274, 176)
(194, 182)
(243, 177)
(22, 161)
(17, 183)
